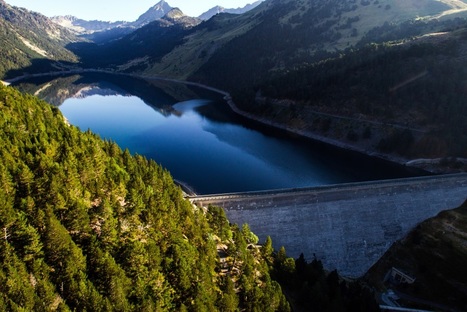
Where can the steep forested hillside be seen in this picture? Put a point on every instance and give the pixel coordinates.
(86, 226)
(404, 98)
(28, 37)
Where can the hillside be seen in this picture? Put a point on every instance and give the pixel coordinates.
(435, 254)
(402, 99)
(143, 46)
(87, 226)
(28, 37)
(231, 51)
(293, 33)
(277, 34)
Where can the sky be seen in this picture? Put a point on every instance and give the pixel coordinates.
(113, 10)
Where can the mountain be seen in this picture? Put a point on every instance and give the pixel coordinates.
(285, 33)
(218, 9)
(29, 37)
(401, 100)
(434, 253)
(143, 46)
(101, 32)
(329, 100)
(290, 33)
(81, 26)
(156, 12)
(282, 34)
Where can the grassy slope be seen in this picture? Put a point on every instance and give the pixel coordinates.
(200, 45)
(27, 36)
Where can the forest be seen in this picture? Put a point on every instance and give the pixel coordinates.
(86, 226)
(419, 86)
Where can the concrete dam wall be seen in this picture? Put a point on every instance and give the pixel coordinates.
(349, 226)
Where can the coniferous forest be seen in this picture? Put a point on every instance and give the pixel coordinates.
(86, 226)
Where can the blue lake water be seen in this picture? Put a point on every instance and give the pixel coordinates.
(202, 143)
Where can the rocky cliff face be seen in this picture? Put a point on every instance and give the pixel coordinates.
(177, 17)
(154, 13)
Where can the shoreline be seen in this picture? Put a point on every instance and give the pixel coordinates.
(325, 140)
(427, 165)
(417, 164)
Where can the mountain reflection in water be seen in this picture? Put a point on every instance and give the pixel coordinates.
(192, 132)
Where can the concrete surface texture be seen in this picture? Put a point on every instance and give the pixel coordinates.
(349, 226)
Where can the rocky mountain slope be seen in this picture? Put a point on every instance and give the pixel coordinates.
(292, 33)
(102, 32)
(219, 9)
(282, 34)
(28, 37)
(154, 13)
(434, 253)
(81, 26)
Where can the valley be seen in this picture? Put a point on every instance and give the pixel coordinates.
(278, 94)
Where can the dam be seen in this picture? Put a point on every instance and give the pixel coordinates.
(347, 226)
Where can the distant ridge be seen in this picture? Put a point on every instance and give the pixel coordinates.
(219, 9)
(82, 26)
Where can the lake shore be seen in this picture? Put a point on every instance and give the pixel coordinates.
(428, 165)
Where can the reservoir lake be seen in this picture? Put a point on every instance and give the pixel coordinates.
(193, 133)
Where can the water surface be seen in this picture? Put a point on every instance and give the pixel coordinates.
(194, 135)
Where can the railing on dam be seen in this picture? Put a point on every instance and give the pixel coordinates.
(332, 187)
(347, 226)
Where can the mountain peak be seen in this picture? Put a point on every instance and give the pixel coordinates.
(154, 13)
(177, 17)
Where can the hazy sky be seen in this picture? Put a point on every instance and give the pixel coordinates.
(111, 10)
